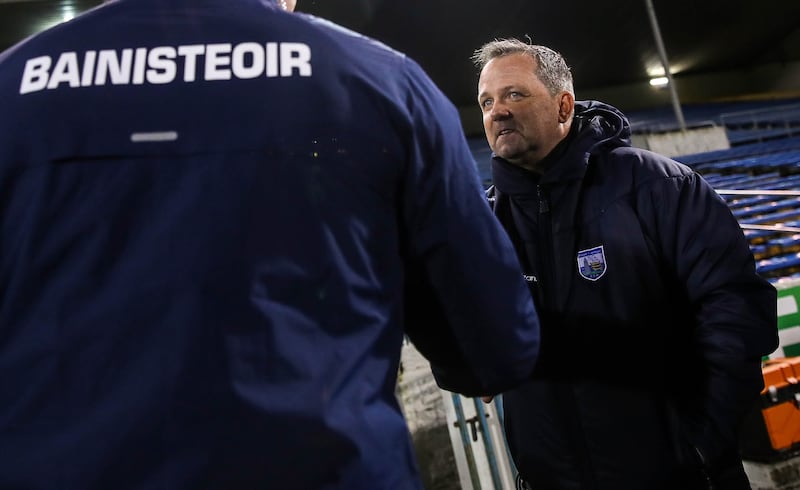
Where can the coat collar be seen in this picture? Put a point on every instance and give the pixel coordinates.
(596, 125)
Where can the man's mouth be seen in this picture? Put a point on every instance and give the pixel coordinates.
(504, 132)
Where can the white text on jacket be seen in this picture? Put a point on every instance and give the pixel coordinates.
(165, 64)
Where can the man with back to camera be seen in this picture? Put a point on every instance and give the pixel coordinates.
(219, 220)
(654, 321)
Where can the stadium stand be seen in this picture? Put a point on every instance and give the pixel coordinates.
(757, 176)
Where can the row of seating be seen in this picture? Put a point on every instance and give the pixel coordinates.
(741, 151)
(742, 136)
(745, 121)
(770, 221)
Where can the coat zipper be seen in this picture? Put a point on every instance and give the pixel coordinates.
(545, 238)
(564, 392)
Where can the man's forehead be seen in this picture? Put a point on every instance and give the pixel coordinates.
(506, 73)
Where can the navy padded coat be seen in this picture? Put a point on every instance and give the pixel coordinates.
(654, 321)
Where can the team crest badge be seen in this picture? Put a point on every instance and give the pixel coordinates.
(592, 263)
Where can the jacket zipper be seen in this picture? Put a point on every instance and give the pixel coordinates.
(545, 238)
(565, 394)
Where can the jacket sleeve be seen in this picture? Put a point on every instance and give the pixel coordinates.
(468, 310)
(735, 310)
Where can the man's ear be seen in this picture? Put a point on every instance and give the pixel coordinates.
(565, 107)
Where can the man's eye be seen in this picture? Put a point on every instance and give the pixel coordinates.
(514, 95)
(486, 103)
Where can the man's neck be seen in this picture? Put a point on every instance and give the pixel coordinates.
(541, 166)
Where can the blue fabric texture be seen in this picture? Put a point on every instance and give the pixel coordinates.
(219, 220)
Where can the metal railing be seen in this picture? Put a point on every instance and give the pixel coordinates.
(479, 444)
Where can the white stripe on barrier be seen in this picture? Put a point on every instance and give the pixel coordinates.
(787, 305)
(788, 336)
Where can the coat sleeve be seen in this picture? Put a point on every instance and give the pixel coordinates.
(734, 309)
(468, 310)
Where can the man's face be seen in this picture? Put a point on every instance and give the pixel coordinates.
(520, 117)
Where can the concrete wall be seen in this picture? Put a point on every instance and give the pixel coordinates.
(675, 143)
(422, 404)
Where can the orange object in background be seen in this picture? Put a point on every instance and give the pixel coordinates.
(772, 430)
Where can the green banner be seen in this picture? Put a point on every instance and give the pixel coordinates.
(788, 319)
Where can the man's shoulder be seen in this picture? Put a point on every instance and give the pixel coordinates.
(645, 163)
(352, 38)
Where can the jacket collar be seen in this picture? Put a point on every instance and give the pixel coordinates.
(596, 125)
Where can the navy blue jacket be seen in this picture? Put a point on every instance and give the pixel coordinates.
(654, 320)
(217, 221)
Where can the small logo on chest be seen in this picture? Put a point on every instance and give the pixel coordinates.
(592, 263)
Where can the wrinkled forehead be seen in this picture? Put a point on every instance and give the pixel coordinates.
(511, 69)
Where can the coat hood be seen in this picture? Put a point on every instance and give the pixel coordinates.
(601, 124)
(596, 125)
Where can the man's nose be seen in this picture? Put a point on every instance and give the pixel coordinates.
(499, 112)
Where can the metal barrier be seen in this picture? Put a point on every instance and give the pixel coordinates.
(479, 444)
